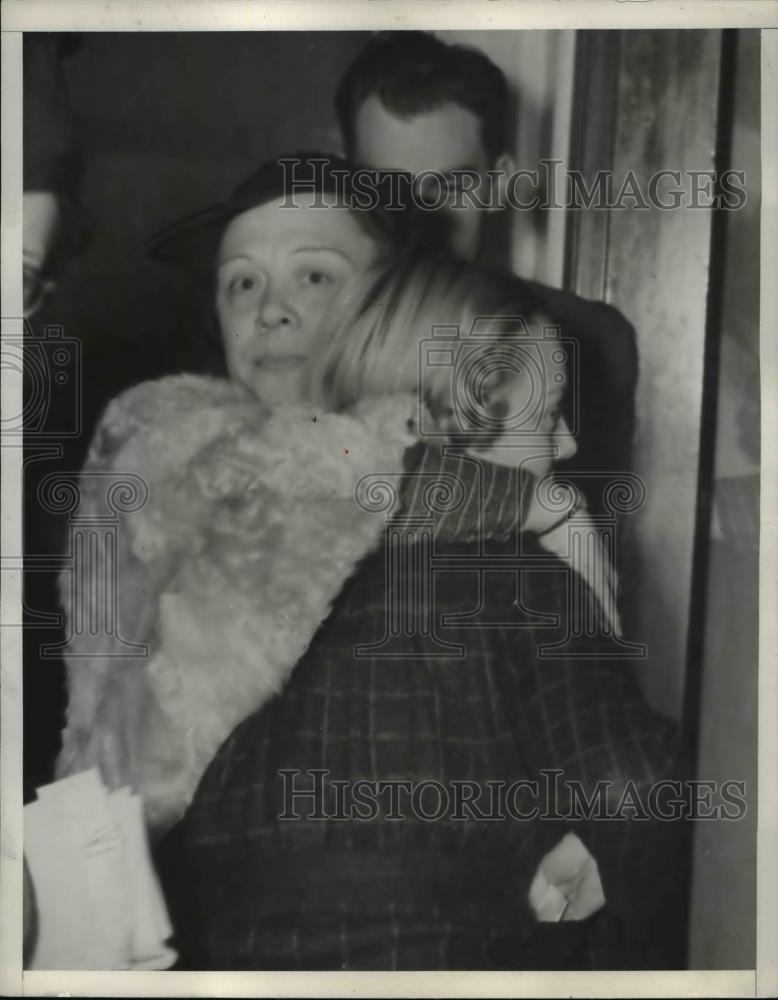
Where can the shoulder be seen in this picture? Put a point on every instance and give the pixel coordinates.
(605, 338)
(171, 393)
(152, 404)
(580, 312)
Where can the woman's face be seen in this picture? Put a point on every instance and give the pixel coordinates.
(278, 270)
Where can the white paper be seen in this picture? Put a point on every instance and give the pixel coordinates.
(98, 899)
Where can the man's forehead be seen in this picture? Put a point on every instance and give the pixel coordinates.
(445, 138)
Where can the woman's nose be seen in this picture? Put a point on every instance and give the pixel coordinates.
(567, 443)
(274, 310)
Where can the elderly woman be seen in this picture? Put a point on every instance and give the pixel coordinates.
(248, 529)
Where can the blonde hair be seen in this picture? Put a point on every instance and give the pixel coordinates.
(374, 340)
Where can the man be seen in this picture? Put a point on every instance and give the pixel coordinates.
(410, 102)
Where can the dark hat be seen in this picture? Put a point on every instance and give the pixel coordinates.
(193, 241)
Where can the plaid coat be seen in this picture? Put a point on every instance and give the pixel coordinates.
(430, 669)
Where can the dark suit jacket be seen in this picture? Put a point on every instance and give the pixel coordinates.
(604, 373)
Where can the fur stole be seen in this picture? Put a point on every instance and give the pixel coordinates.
(248, 533)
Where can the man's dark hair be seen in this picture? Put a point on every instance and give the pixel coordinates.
(412, 72)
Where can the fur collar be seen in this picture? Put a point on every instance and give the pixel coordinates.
(249, 530)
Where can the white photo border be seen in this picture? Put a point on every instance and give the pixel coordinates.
(310, 15)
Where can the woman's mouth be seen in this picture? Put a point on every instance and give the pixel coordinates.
(278, 362)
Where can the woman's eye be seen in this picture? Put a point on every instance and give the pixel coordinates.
(316, 278)
(241, 284)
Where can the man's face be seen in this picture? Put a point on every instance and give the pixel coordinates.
(278, 270)
(446, 139)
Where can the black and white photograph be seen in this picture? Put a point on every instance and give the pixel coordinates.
(387, 480)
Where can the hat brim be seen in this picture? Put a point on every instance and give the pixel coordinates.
(191, 243)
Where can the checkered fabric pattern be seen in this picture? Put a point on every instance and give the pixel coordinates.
(437, 679)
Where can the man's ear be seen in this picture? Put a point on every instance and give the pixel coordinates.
(505, 165)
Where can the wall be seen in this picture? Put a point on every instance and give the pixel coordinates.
(661, 91)
(723, 906)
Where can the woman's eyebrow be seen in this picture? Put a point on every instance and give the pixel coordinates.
(322, 247)
(234, 257)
